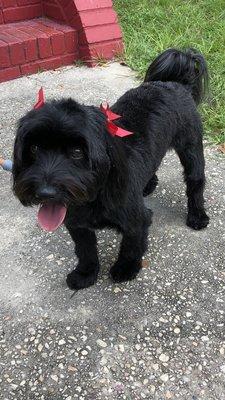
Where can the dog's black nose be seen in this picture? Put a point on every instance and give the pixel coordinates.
(46, 192)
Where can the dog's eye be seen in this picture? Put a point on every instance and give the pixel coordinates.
(33, 149)
(77, 153)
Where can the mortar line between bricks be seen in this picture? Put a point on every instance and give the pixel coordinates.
(89, 11)
(100, 43)
(85, 28)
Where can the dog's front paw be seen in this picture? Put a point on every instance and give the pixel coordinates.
(125, 270)
(197, 221)
(79, 280)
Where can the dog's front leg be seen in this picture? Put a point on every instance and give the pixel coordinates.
(86, 272)
(129, 262)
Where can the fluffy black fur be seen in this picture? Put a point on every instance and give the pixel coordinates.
(105, 184)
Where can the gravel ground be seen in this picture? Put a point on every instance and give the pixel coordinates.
(159, 337)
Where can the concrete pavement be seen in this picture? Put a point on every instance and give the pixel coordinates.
(159, 337)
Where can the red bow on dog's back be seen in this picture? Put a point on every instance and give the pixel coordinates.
(113, 129)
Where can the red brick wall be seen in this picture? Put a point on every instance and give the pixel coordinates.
(99, 34)
(54, 9)
(17, 10)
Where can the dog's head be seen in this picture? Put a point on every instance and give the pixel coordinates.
(64, 155)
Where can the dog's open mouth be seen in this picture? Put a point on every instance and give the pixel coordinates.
(51, 216)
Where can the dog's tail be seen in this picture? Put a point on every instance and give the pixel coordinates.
(186, 67)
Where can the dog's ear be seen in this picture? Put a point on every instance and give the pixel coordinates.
(26, 125)
(108, 158)
(118, 174)
(19, 146)
(96, 141)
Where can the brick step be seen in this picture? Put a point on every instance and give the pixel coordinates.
(30, 46)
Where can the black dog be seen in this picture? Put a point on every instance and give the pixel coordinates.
(66, 160)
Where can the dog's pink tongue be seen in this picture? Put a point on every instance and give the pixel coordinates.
(51, 216)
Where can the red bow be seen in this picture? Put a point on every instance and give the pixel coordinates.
(113, 129)
(40, 100)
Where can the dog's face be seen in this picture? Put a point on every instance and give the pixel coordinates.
(60, 158)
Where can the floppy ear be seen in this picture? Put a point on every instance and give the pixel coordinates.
(23, 128)
(118, 174)
(107, 157)
(18, 151)
(97, 145)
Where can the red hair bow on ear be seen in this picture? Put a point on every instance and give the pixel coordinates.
(113, 129)
(40, 100)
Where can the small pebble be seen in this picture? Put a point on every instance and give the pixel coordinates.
(101, 343)
(40, 347)
(223, 368)
(121, 348)
(55, 378)
(152, 388)
(164, 357)
(71, 368)
(164, 377)
(204, 338)
(168, 395)
(14, 386)
(188, 314)
(61, 342)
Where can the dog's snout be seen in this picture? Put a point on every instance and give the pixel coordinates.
(46, 192)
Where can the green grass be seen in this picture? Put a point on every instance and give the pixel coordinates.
(151, 26)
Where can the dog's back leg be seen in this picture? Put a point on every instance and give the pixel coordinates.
(192, 159)
(151, 185)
